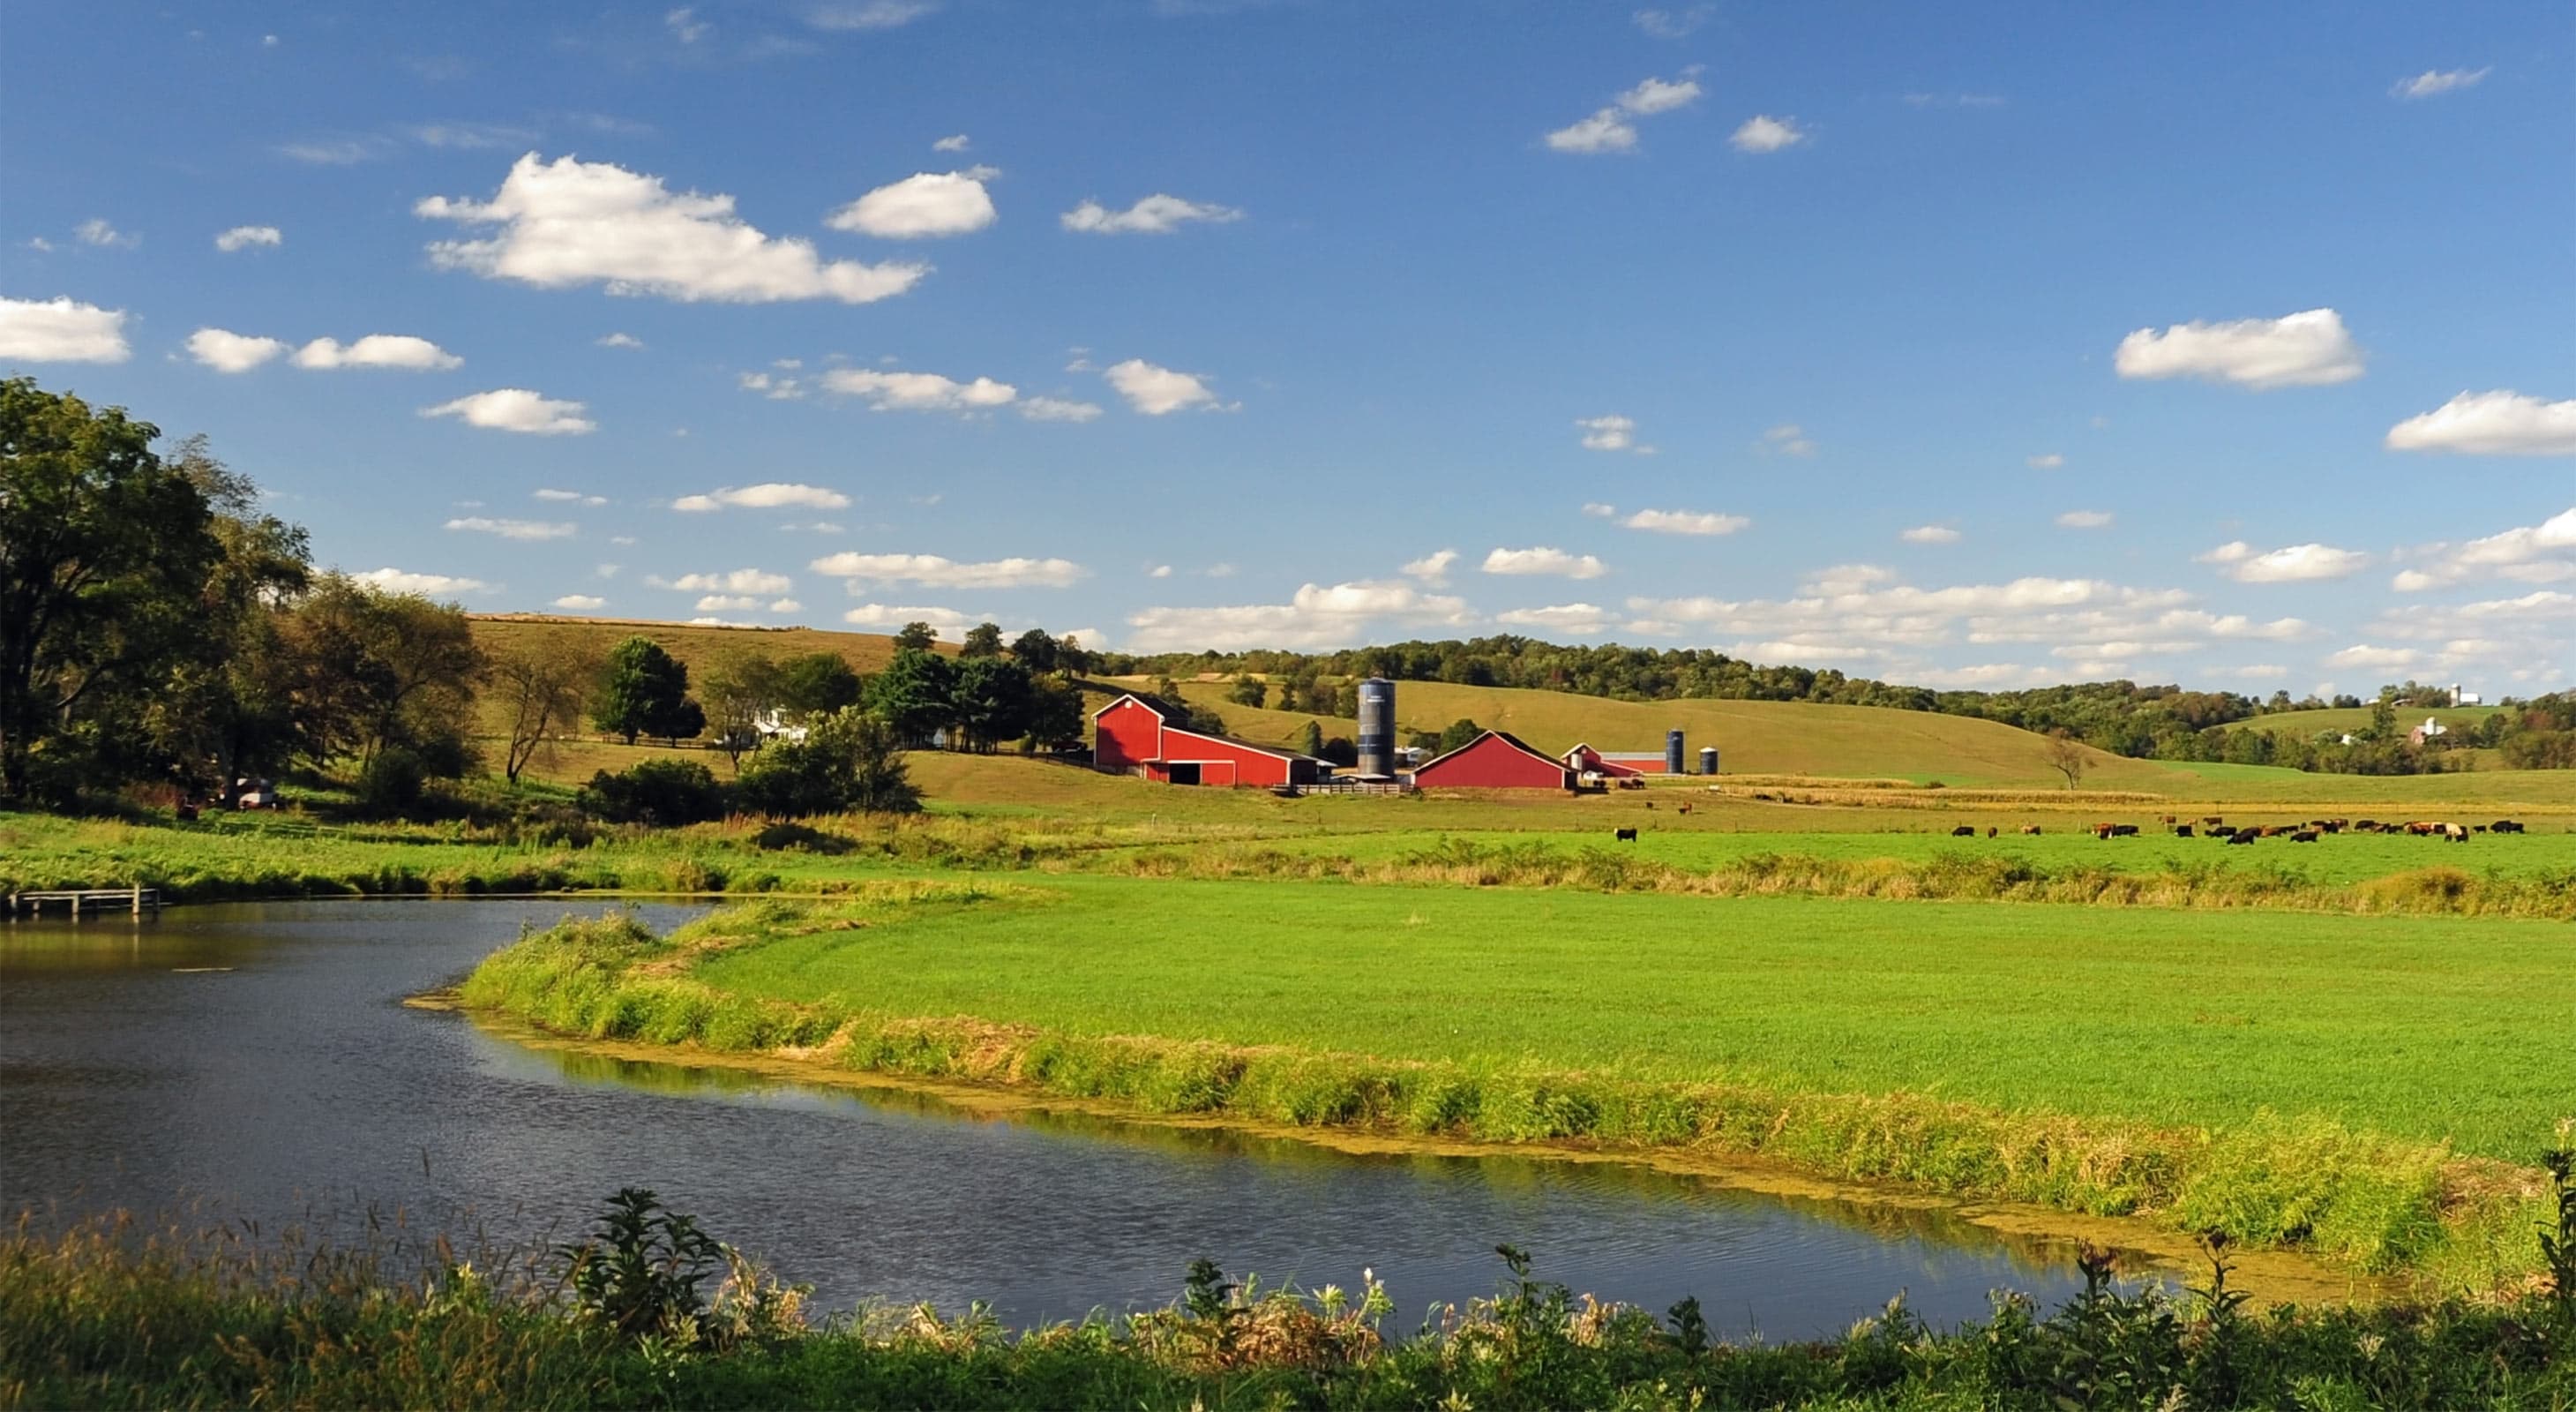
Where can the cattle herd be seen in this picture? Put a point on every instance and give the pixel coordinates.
(2217, 827)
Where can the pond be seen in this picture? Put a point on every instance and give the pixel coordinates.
(255, 1063)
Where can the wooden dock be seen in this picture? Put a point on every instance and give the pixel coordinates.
(87, 901)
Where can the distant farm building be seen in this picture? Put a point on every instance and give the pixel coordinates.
(1616, 764)
(1135, 736)
(1495, 760)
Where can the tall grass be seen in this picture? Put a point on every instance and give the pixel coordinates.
(100, 1318)
(2361, 1199)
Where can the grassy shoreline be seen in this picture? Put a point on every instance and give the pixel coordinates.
(2366, 1200)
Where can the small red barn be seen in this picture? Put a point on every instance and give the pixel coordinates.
(1494, 760)
(1613, 765)
(1133, 736)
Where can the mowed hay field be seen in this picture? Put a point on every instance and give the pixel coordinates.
(2430, 1028)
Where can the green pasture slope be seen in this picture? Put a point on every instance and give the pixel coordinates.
(2307, 725)
(2428, 1028)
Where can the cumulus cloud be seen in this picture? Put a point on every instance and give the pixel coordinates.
(2306, 349)
(515, 529)
(96, 231)
(1930, 534)
(569, 222)
(61, 330)
(1789, 439)
(2541, 553)
(739, 581)
(921, 206)
(1599, 510)
(2502, 423)
(2366, 655)
(1673, 24)
(378, 350)
(1058, 409)
(1158, 214)
(246, 237)
(947, 622)
(919, 392)
(1315, 616)
(1764, 133)
(519, 410)
(1611, 433)
(1572, 619)
(1609, 128)
(568, 497)
(1543, 560)
(955, 142)
(2084, 519)
(229, 352)
(2047, 462)
(2433, 82)
(940, 572)
(618, 340)
(2298, 563)
(581, 602)
(1432, 568)
(768, 495)
(1701, 522)
(1157, 391)
(426, 585)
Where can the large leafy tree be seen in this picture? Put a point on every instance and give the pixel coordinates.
(104, 554)
(643, 690)
(541, 683)
(915, 694)
(741, 689)
(982, 640)
(850, 760)
(1055, 716)
(817, 684)
(994, 701)
(1035, 650)
(374, 671)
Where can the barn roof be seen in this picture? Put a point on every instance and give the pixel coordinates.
(1507, 738)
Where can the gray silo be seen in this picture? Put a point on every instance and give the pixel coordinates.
(1674, 753)
(1708, 759)
(1377, 727)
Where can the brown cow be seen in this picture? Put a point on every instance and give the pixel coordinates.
(2030, 828)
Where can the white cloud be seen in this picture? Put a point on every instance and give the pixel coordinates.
(1315, 616)
(769, 495)
(568, 222)
(2307, 349)
(785, 605)
(2542, 553)
(229, 352)
(61, 331)
(685, 26)
(2365, 655)
(1764, 133)
(1058, 409)
(948, 573)
(1608, 129)
(1930, 534)
(955, 142)
(517, 409)
(1543, 560)
(742, 581)
(2501, 423)
(244, 237)
(2437, 81)
(868, 14)
(618, 340)
(96, 231)
(426, 585)
(1599, 510)
(947, 622)
(1604, 131)
(2298, 563)
(776, 389)
(515, 529)
(919, 392)
(1159, 571)
(1572, 619)
(1700, 522)
(727, 603)
(1156, 391)
(1673, 24)
(580, 601)
(569, 497)
(2084, 519)
(336, 152)
(378, 350)
(2048, 462)
(1789, 439)
(1432, 568)
(1611, 433)
(1157, 214)
(922, 205)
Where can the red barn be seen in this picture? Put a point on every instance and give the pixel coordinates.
(1494, 760)
(1133, 736)
(1614, 765)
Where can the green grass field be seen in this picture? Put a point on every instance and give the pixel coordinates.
(2307, 725)
(2424, 1028)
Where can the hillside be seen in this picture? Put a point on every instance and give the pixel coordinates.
(696, 647)
(2307, 725)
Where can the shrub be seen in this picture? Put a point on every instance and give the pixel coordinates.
(391, 783)
(663, 792)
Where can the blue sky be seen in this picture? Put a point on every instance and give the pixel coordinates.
(1964, 345)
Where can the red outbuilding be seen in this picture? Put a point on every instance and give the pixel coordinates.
(1615, 764)
(1494, 760)
(1134, 736)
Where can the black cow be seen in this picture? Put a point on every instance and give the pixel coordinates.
(1964, 831)
(2243, 836)
(1625, 836)
(2124, 830)
(2304, 836)
(2182, 830)
(2504, 826)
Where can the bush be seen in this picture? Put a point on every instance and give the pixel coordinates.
(391, 783)
(662, 792)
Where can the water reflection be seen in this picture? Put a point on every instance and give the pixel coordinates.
(295, 1083)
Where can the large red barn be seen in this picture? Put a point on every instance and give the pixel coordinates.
(1493, 760)
(1135, 736)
